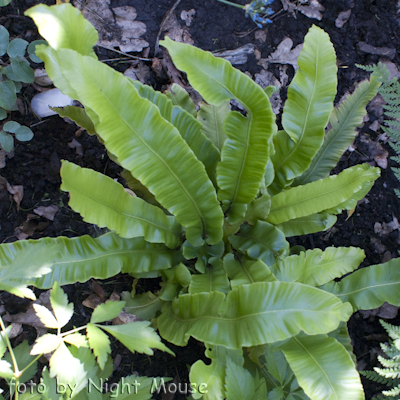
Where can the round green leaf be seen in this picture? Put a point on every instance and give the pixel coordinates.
(32, 50)
(22, 70)
(17, 47)
(4, 3)
(23, 134)
(18, 86)
(7, 95)
(4, 38)
(6, 141)
(10, 73)
(11, 126)
(3, 114)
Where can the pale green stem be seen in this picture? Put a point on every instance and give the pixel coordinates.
(231, 4)
(73, 331)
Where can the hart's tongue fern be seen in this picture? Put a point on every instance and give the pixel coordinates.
(390, 91)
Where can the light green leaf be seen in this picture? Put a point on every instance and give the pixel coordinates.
(23, 134)
(106, 311)
(137, 336)
(22, 70)
(323, 368)
(6, 370)
(369, 287)
(262, 241)
(245, 270)
(252, 314)
(78, 115)
(11, 126)
(310, 224)
(142, 141)
(79, 259)
(99, 343)
(317, 267)
(211, 378)
(46, 344)
(64, 27)
(241, 385)
(17, 48)
(180, 97)
(76, 339)
(344, 119)
(321, 195)
(258, 209)
(188, 127)
(245, 153)
(7, 95)
(214, 279)
(63, 310)
(307, 109)
(45, 316)
(67, 368)
(4, 40)
(6, 141)
(212, 118)
(104, 202)
(341, 334)
(144, 305)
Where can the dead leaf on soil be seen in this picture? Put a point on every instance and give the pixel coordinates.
(173, 30)
(379, 247)
(47, 211)
(74, 144)
(237, 56)
(125, 318)
(342, 18)
(380, 51)
(187, 16)
(386, 228)
(92, 301)
(266, 78)
(284, 54)
(310, 8)
(18, 193)
(121, 30)
(138, 72)
(30, 226)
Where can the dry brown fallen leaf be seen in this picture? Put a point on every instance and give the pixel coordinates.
(284, 54)
(30, 226)
(18, 193)
(47, 211)
(342, 18)
(74, 144)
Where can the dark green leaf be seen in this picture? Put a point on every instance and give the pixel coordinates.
(23, 134)
(4, 36)
(17, 47)
(6, 141)
(7, 95)
(22, 70)
(3, 114)
(32, 51)
(11, 126)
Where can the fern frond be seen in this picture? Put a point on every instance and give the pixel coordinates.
(375, 377)
(392, 392)
(392, 330)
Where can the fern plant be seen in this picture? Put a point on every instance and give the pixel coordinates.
(217, 194)
(390, 91)
(390, 373)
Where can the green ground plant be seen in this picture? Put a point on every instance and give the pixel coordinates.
(13, 72)
(390, 373)
(390, 91)
(218, 192)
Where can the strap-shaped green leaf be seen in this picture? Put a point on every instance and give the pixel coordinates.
(245, 152)
(307, 109)
(187, 125)
(102, 201)
(78, 115)
(262, 241)
(321, 195)
(310, 224)
(64, 27)
(180, 97)
(245, 271)
(143, 305)
(369, 287)
(262, 312)
(323, 368)
(145, 143)
(79, 259)
(317, 267)
(212, 118)
(344, 120)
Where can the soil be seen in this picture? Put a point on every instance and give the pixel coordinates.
(215, 27)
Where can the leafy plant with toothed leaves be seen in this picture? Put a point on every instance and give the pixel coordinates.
(79, 364)
(217, 194)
